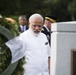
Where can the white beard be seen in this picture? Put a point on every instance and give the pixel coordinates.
(35, 34)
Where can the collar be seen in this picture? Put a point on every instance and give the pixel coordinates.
(46, 28)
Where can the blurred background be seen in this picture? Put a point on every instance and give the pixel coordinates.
(65, 10)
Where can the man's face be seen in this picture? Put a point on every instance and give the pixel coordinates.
(22, 21)
(48, 24)
(36, 25)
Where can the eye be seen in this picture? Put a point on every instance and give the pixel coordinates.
(34, 25)
(37, 26)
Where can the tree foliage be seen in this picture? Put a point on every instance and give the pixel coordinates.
(63, 9)
(5, 53)
(72, 9)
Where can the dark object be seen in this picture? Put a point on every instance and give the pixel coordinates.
(51, 18)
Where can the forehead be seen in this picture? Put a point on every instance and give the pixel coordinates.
(48, 21)
(37, 21)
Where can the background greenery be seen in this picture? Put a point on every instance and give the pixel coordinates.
(64, 9)
(5, 53)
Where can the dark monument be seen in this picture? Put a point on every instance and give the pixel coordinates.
(73, 62)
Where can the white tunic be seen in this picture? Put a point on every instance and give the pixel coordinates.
(37, 52)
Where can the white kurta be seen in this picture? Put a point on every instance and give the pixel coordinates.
(36, 50)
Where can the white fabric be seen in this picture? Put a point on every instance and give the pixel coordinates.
(36, 49)
(17, 48)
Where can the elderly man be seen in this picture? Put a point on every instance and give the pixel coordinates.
(35, 47)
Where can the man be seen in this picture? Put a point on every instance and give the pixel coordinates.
(35, 47)
(22, 23)
(47, 26)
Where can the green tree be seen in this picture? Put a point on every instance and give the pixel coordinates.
(59, 8)
(63, 9)
(72, 9)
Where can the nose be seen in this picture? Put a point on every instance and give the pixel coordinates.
(37, 27)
